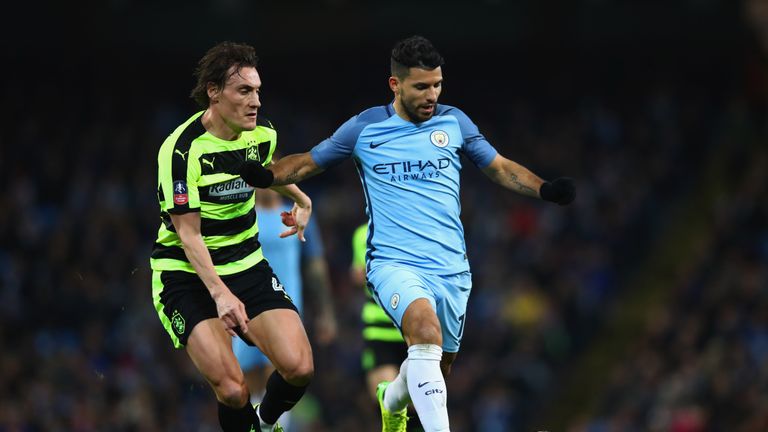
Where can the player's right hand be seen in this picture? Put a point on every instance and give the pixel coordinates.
(296, 220)
(232, 313)
(287, 219)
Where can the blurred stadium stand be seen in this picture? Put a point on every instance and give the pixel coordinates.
(641, 307)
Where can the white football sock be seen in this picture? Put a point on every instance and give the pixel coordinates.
(396, 397)
(285, 420)
(426, 386)
(263, 427)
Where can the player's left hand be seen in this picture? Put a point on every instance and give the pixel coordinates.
(297, 220)
(560, 190)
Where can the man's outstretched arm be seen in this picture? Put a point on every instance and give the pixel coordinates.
(288, 170)
(520, 179)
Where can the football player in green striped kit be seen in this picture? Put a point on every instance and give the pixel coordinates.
(210, 279)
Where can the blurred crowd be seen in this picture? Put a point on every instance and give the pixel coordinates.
(701, 363)
(83, 350)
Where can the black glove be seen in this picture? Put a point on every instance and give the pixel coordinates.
(256, 175)
(560, 190)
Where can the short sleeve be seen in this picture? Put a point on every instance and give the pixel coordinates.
(179, 173)
(474, 146)
(339, 146)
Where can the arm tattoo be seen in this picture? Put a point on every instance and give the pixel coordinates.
(519, 186)
(292, 177)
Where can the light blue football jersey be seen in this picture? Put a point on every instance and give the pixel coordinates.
(410, 176)
(285, 254)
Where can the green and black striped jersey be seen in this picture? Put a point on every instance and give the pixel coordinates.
(198, 172)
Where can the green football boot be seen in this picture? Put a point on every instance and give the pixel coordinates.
(390, 421)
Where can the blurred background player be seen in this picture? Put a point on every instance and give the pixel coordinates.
(288, 257)
(384, 348)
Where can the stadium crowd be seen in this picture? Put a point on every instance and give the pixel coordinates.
(82, 349)
(702, 361)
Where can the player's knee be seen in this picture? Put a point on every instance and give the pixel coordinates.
(231, 392)
(300, 372)
(425, 333)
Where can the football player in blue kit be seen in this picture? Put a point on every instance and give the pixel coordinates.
(408, 156)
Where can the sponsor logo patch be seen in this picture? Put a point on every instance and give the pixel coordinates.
(236, 186)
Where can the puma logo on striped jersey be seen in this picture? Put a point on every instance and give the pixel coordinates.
(183, 155)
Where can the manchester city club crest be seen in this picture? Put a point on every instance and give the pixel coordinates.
(394, 301)
(439, 138)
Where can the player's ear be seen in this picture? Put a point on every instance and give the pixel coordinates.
(394, 83)
(213, 91)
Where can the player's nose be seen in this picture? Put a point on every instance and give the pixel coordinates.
(431, 95)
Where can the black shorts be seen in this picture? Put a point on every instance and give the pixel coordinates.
(182, 300)
(378, 353)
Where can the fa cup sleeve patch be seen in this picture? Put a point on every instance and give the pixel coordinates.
(180, 196)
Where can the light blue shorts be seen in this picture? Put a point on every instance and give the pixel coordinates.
(395, 288)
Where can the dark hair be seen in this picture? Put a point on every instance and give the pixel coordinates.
(215, 65)
(414, 51)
